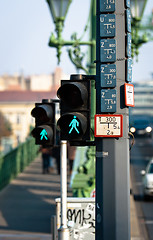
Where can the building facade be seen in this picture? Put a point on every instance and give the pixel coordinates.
(42, 82)
(16, 106)
(143, 97)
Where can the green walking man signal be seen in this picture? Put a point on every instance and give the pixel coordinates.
(45, 127)
(74, 124)
(43, 134)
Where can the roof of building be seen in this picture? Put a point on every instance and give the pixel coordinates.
(26, 96)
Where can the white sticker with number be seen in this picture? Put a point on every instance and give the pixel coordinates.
(129, 94)
(108, 125)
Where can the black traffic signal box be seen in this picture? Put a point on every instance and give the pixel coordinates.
(45, 129)
(74, 123)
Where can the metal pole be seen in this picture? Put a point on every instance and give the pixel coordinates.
(92, 65)
(112, 154)
(63, 232)
(90, 151)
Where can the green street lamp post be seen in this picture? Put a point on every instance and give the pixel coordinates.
(59, 9)
(137, 8)
(137, 11)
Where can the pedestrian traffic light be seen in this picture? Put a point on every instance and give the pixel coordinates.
(74, 123)
(44, 131)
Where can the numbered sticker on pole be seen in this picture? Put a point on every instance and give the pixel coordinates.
(129, 94)
(108, 125)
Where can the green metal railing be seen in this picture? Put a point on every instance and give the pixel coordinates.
(15, 161)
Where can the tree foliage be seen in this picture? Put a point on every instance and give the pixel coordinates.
(5, 126)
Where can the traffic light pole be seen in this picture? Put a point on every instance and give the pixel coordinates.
(63, 232)
(112, 153)
(92, 65)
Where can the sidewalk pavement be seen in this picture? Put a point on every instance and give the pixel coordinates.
(138, 228)
(28, 202)
(135, 228)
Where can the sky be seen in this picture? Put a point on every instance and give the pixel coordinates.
(25, 29)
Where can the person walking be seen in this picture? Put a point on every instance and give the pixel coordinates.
(56, 152)
(46, 153)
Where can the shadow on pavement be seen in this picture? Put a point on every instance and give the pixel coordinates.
(27, 204)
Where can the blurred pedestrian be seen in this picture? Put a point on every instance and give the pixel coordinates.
(56, 152)
(46, 153)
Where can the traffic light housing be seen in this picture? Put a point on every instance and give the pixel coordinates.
(45, 129)
(74, 123)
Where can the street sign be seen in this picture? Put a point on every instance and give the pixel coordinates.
(108, 75)
(107, 25)
(128, 3)
(128, 45)
(108, 125)
(108, 50)
(129, 94)
(107, 6)
(129, 69)
(108, 100)
(128, 20)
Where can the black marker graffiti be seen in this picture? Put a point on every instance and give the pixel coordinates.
(82, 217)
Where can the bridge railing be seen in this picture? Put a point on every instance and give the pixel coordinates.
(16, 160)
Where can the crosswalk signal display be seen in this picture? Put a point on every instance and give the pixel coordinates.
(74, 95)
(45, 130)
